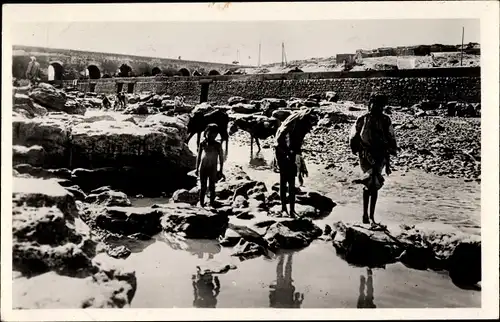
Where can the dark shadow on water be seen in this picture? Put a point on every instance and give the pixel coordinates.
(365, 300)
(282, 292)
(197, 247)
(206, 288)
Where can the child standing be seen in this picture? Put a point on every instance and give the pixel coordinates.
(209, 154)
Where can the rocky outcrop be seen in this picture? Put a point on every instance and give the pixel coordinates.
(192, 222)
(292, 234)
(416, 246)
(54, 249)
(54, 99)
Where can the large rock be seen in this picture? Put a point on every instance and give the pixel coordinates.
(244, 108)
(187, 196)
(193, 222)
(49, 133)
(169, 125)
(49, 97)
(292, 234)
(108, 197)
(418, 247)
(33, 155)
(48, 233)
(129, 220)
(111, 286)
(25, 105)
(236, 100)
(116, 144)
(42, 173)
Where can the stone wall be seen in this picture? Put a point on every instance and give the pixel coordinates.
(404, 87)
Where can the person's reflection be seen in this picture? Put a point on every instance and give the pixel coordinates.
(366, 301)
(282, 294)
(206, 288)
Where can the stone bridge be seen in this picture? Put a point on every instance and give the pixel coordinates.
(65, 64)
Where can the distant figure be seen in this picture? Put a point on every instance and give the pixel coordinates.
(288, 153)
(33, 71)
(372, 138)
(209, 154)
(121, 101)
(365, 301)
(282, 294)
(106, 104)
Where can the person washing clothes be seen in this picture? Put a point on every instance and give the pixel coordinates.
(372, 138)
(209, 154)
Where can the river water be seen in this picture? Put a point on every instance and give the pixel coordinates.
(314, 277)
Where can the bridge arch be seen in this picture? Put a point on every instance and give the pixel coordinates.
(184, 72)
(156, 71)
(197, 73)
(55, 71)
(125, 71)
(295, 70)
(213, 72)
(93, 72)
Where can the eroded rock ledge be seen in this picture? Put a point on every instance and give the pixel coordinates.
(417, 246)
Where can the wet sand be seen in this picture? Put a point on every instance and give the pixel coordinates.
(165, 274)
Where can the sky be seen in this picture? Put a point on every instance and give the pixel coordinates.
(226, 42)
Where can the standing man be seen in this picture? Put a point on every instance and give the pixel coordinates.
(372, 138)
(288, 153)
(33, 71)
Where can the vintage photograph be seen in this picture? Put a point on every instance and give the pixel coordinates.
(246, 164)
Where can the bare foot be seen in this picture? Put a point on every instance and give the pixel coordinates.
(293, 214)
(365, 219)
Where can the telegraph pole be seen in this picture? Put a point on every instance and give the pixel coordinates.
(462, 51)
(258, 63)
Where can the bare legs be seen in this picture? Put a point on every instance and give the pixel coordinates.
(210, 179)
(287, 180)
(369, 197)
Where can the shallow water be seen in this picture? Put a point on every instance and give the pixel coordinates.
(165, 268)
(313, 277)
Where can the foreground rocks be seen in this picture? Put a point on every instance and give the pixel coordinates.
(417, 247)
(54, 249)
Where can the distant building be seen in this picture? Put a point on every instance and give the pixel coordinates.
(345, 58)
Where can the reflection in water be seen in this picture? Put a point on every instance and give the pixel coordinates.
(206, 288)
(366, 301)
(198, 247)
(282, 294)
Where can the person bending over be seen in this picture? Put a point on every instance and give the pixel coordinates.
(209, 154)
(288, 154)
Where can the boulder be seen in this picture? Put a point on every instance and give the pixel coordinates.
(418, 246)
(37, 172)
(108, 198)
(74, 107)
(49, 97)
(129, 220)
(236, 100)
(167, 124)
(186, 196)
(315, 199)
(244, 108)
(25, 105)
(292, 234)
(193, 222)
(51, 134)
(33, 155)
(139, 109)
(115, 144)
